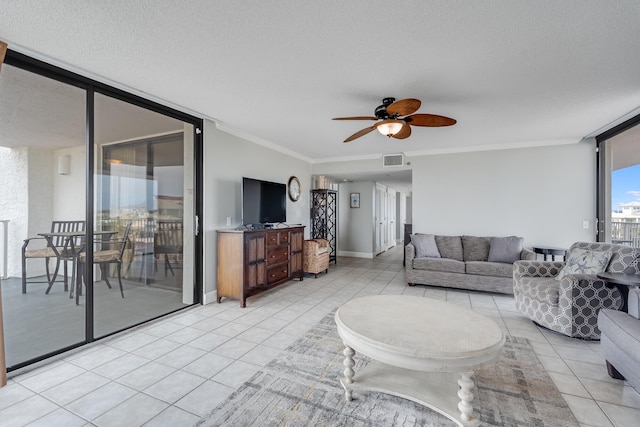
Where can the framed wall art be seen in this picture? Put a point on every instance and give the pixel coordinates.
(354, 200)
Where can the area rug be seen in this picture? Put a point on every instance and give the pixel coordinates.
(301, 387)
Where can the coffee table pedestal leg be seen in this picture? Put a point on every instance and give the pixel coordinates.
(448, 393)
(348, 371)
(466, 396)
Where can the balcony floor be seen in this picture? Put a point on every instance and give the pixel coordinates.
(36, 323)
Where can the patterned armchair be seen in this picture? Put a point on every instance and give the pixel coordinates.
(316, 256)
(571, 305)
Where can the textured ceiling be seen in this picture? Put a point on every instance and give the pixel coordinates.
(513, 73)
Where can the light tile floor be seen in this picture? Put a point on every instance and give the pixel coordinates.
(174, 371)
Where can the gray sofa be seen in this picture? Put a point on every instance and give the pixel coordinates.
(464, 262)
(567, 296)
(620, 340)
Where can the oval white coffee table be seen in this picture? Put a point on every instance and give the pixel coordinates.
(423, 349)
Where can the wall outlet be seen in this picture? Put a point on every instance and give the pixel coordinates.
(585, 225)
(228, 220)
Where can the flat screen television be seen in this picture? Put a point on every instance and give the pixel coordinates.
(263, 201)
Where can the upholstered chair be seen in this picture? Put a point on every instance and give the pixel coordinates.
(567, 296)
(316, 256)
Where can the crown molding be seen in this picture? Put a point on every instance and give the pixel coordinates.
(457, 150)
(257, 140)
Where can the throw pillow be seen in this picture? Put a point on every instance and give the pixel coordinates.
(584, 261)
(425, 245)
(450, 247)
(505, 249)
(476, 248)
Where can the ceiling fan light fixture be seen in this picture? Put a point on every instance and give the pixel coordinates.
(390, 127)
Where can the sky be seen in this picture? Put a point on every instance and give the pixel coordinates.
(625, 186)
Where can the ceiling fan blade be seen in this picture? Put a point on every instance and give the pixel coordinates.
(429, 120)
(405, 132)
(404, 107)
(356, 118)
(360, 133)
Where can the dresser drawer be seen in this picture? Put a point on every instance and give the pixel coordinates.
(272, 238)
(277, 255)
(277, 273)
(275, 238)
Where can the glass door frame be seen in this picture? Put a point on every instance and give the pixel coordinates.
(603, 181)
(91, 87)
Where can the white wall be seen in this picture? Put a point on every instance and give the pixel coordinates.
(355, 225)
(14, 169)
(227, 158)
(69, 190)
(542, 194)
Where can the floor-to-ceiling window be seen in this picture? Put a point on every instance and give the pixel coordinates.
(144, 184)
(619, 184)
(100, 196)
(42, 163)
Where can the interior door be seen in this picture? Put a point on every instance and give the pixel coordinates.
(382, 234)
(391, 210)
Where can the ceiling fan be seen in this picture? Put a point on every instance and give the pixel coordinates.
(392, 125)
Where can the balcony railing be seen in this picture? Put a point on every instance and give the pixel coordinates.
(626, 233)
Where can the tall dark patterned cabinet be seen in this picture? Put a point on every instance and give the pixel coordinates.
(324, 218)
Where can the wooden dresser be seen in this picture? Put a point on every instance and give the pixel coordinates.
(253, 261)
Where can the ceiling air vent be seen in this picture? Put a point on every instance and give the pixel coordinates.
(392, 160)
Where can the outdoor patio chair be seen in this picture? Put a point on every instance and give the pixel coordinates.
(167, 241)
(47, 252)
(111, 252)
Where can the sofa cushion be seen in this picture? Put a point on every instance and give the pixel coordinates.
(485, 268)
(543, 289)
(445, 265)
(505, 249)
(633, 303)
(476, 248)
(620, 328)
(425, 245)
(585, 261)
(450, 247)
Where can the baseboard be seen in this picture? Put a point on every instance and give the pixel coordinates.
(356, 254)
(210, 297)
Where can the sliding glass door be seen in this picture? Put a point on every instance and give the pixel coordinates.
(99, 198)
(42, 163)
(619, 184)
(144, 192)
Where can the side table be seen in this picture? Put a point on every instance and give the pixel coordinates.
(623, 282)
(546, 251)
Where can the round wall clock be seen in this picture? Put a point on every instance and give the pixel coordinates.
(294, 188)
